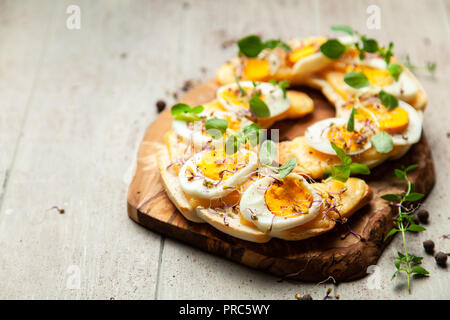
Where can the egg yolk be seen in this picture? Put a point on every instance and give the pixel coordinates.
(376, 77)
(300, 53)
(232, 123)
(309, 48)
(288, 198)
(256, 69)
(217, 165)
(392, 121)
(347, 140)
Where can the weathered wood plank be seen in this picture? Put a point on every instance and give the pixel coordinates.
(22, 37)
(94, 96)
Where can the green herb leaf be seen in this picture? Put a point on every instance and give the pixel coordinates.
(388, 100)
(267, 152)
(400, 174)
(216, 127)
(179, 108)
(340, 172)
(273, 43)
(382, 142)
(252, 133)
(416, 228)
(414, 196)
(340, 153)
(356, 80)
(370, 45)
(386, 53)
(183, 112)
(420, 270)
(242, 92)
(259, 107)
(188, 117)
(250, 46)
(358, 168)
(332, 49)
(390, 197)
(232, 144)
(342, 28)
(395, 70)
(391, 233)
(351, 120)
(287, 167)
(411, 167)
(283, 86)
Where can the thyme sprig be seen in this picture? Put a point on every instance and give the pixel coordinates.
(405, 262)
(430, 67)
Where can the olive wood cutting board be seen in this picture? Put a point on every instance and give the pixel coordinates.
(313, 259)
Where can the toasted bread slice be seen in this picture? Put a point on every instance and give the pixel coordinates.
(331, 83)
(301, 105)
(170, 181)
(356, 195)
(231, 223)
(313, 163)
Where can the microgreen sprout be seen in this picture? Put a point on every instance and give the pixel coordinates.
(268, 154)
(252, 45)
(283, 86)
(183, 112)
(250, 134)
(405, 262)
(342, 171)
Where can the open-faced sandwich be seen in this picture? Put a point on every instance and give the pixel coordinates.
(222, 167)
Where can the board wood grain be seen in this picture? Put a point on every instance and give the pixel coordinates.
(315, 259)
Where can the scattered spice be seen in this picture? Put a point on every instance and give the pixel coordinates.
(328, 294)
(187, 85)
(298, 296)
(428, 245)
(448, 134)
(441, 259)
(123, 55)
(423, 216)
(60, 210)
(160, 105)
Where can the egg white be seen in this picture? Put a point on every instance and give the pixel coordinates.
(317, 136)
(253, 204)
(274, 97)
(413, 132)
(404, 88)
(218, 189)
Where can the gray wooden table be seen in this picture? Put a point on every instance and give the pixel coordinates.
(74, 104)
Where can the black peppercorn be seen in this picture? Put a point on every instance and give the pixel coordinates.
(160, 105)
(441, 259)
(428, 245)
(423, 216)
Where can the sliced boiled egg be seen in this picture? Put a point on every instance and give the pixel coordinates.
(274, 204)
(213, 174)
(236, 100)
(403, 123)
(195, 132)
(376, 71)
(320, 135)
